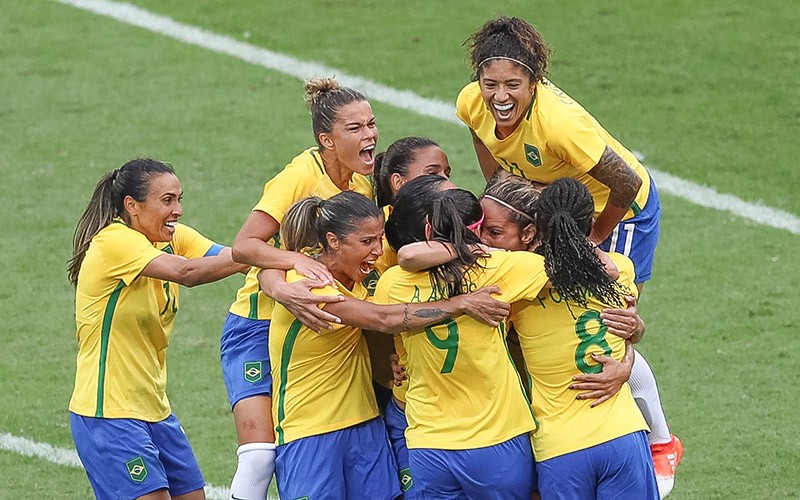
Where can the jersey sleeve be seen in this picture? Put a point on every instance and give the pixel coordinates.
(462, 107)
(281, 192)
(523, 276)
(627, 274)
(383, 288)
(125, 252)
(573, 137)
(189, 243)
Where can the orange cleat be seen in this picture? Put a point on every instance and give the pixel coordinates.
(666, 457)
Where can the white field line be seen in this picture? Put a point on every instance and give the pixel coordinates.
(133, 15)
(68, 457)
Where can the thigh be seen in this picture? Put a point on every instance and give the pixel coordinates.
(177, 457)
(504, 471)
(253, 419)
(312, 467)
(637, 238)
(371, 470)
(627, 469)
(119, 456)
(244, 355)
(433, 477)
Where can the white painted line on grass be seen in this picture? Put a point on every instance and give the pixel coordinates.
(67, 457)
(136, 16)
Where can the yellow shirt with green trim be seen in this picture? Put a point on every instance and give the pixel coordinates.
(463, 390)
(557, 340)
(380, 345)
(557, 138)
(124, 322)
(304, 176)
(322, 382)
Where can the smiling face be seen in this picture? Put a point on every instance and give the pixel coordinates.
(353, 137)
(507, 91)
(157, 215)
(354, 255)
(427, 160)
(499, 229)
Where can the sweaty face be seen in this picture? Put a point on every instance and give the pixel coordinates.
(354, 136)
(507, 90)
(158, 214)
(359, 250)
(498, 229)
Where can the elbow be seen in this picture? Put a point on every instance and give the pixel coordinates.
(238, 253)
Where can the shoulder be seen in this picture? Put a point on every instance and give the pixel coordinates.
(469, 100)
(627, 274)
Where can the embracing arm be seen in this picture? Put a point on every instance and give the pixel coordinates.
(396, 318)
(297, 298)
(191, 272)
(423, 255)
(251, 246)
(623, 184)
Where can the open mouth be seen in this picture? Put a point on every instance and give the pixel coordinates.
(504, 111)
(367, 155)
(367, 267)
(171, 224)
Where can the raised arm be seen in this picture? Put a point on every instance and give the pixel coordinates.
(485, 159)
(251, 246)
(192, 272)
(623, 183)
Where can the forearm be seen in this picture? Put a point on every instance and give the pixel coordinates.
(202, 270)
(486, 161)
(395, 318)
(424, 255)
(270, 280)
(258, 253)
(623, 184)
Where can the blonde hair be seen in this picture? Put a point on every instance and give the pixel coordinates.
(324, 97)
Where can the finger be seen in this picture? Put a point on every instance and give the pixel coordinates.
(328, 299)
(598, 378)
(587, 386)
(599, 393)
(600, 401)
(494, 289)
(631, 300)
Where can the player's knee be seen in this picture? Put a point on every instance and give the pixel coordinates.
(257, 458)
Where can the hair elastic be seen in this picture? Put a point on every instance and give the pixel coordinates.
(507, 59)
(515, 210)
(477, 224)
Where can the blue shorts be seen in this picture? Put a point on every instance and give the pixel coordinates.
(127, 458)
(504, 471)
(353, 463)
(396, 425)
(244, 355)
(620, 468)
(637, 237)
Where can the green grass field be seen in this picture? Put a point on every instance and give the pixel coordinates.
(708, 91)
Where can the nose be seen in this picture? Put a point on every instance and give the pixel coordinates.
(177, 210)
(501, 94)
(377, 250)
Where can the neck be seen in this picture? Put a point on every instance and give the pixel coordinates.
(338, 173)
(337, 273)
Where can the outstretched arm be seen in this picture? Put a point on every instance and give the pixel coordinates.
(192, 272)
(623, 183)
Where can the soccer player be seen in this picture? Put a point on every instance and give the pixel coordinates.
(465, 403)
(129, 256)
(331, 442)
(582, 451)
(346, 135)
(524, 125)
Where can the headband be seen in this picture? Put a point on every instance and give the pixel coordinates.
(507, 59)
(515, 210)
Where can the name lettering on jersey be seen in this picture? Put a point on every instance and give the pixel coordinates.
(137, 469)
(532, 155)
(371, 281)
(253, 371)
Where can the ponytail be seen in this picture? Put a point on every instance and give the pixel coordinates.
(299, 226)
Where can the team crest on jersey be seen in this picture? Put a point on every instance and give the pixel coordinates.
(137, 469)
(371, 281)
(532, 155)
(253, 371)
(406, 482)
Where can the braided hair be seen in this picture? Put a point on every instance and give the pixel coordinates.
(563, 222)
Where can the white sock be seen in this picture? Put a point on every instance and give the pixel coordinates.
(254, 471)
(645, 393)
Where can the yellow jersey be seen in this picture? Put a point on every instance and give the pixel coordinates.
(322, 382)
(463, 390)
(557, 138)
(304, 176)
(557, 341)
(124, 322)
